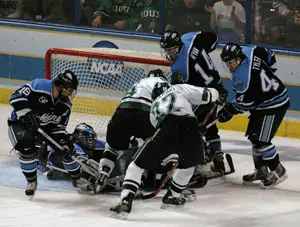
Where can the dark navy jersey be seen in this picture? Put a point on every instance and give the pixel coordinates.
(37, 96)
(194, 61)
(255, 84)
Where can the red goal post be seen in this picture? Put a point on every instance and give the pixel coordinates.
(104, 75)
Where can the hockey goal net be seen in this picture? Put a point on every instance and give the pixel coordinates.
(104, 76)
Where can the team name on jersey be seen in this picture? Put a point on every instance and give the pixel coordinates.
(150, 13)
(47, 118)
(121, 9)
(256, 63)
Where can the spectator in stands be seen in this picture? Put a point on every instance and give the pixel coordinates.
(7, 7)
(188, 15)
(41, 10)
(113, 13)
(88, 7)
(145, 17)
(228, 19)
(290, 11)
(24, 10)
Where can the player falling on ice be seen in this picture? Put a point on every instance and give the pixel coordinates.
(177, 139)
(260, 92)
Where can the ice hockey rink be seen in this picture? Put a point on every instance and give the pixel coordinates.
(222, 202)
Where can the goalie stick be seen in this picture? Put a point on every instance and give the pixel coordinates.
(84, 166)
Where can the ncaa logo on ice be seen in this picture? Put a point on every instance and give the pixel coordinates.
(104, 66)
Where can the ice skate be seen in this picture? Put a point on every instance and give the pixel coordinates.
(170, 201)
(122, 210)
(102, 179)
(188, 194)
(258, 175)
(218, 164)
(31, 188)
(275, 177)
(82, 185)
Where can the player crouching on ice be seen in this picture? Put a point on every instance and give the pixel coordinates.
(42, 104)
(177, 139)
(263, 94)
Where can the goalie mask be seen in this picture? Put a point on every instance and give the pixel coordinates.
(159, 88)
(232, 56)
(66, 83)
(85, 136)
(157, 73)
(171, 45)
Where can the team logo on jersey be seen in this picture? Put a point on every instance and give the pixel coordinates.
(43, 100)
(47, 118)
(238, 81)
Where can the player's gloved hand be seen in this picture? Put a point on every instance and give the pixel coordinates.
(223, 93)
(224, 115)
(67, 144)
(32, 121)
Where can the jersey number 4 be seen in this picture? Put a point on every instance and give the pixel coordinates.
(267, 84)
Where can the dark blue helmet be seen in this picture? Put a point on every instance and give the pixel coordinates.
(85, 136)
(170, 44)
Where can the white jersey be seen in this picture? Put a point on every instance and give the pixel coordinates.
(139, 95)
(224, 19)
(178, 100)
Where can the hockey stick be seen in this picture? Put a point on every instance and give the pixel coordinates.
(85, 167)
(170, 174)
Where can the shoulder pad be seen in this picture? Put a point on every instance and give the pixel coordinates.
(41, 85)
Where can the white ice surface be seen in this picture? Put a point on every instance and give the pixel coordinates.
(221, 203)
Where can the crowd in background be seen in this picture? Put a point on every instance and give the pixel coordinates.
(274, 22)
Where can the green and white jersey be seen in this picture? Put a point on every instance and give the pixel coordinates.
(178, 100)
(139, 95)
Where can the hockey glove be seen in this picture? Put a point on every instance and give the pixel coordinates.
(67, 144)
(224, 115)
(223, 93)
(32, 121)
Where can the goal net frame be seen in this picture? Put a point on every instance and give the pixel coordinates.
(135, 57)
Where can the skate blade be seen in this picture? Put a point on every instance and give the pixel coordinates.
(253, 183)
(189, 198)
(167, 206)
(280, 180)
(121, 216)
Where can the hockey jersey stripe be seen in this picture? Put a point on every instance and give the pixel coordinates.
(22, 112)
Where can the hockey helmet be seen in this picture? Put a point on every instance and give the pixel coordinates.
(67, 83)
(232, 55)
(177, 78)
(159, 88)
(157, 73)
(170, 44)
(85, 136)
